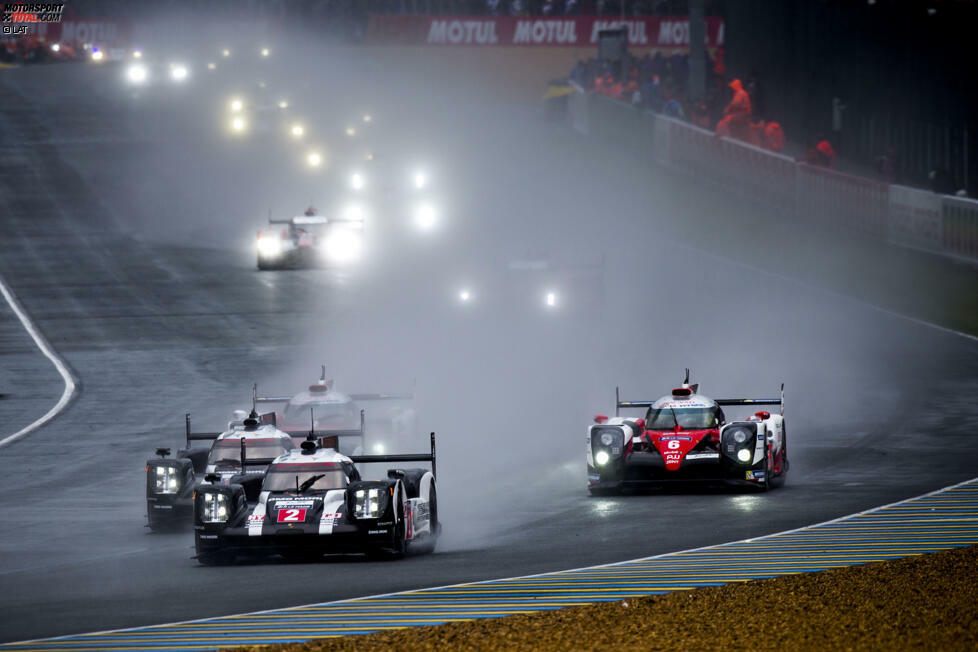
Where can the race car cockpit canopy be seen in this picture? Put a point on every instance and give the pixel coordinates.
(309, 470)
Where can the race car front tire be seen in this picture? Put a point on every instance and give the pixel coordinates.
(426, 544)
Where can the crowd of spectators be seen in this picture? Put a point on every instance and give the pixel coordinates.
(660, 83)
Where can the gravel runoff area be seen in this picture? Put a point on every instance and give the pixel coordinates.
(920, 602)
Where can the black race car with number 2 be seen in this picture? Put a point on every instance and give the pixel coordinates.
(314, 502)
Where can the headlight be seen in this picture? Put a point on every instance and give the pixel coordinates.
(369, 503)
(214, 508)
(239, 125)
(356, 181)
(314, 159)
(744, 455)
(420, 180)
(97, 55)
(425, 217)
(343, 245)
(269, 246)
(236, 105)
(178, 72)
(167, 481)
(379, 449)
(137, 74)
(607, 439)
(740, 436)
(601, 458)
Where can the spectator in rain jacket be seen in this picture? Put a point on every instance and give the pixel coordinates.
(736, 115)
(826, 153)
(773, 137)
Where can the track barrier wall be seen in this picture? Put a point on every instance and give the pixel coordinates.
(906, 217)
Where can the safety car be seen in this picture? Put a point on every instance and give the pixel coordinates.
(314, 502)
(685, 436)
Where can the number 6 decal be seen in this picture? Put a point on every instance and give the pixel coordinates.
(674, 444)
(291, 515)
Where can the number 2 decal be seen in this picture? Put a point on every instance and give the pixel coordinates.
(291, 515)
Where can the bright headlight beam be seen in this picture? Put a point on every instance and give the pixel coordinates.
(178, 72)
(297, 131)
(211, 65)
(424, 217)
(356, 181)
(225, 52)
(137, 74)
(238, 125)
(97, 55)
(56, 47)
(314, 159)
(601, 458)
(265, 52)
(367, 118)
(465, 296)
(282, 104)
(551, 299)
(236, 105)
(350, 131)
(343, 245)
(137, 54)
(744, 455)
(420, 180)
(269, 247)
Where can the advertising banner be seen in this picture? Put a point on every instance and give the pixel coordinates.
(665, 32)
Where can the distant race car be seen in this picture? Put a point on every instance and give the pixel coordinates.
(344, 425)
(244, 450)
(685, 436)
(309, 240)
(313, 502)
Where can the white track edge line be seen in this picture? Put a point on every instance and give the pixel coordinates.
(71, 385)
(504, 579)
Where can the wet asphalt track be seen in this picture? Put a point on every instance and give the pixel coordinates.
(111, 235)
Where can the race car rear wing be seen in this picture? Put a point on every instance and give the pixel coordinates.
(326, 434)
(720, 401)
(382, 397)
(198, 436)
(408, 457)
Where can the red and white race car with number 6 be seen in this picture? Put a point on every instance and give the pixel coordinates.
(685, 436)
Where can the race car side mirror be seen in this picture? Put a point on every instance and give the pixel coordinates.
(600, 418)
(763, 415)
(641, 424)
